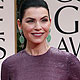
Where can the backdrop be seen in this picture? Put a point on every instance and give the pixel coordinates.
(65, 28)
(7, 29)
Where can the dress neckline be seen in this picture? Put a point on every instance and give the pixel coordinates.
(24, 51)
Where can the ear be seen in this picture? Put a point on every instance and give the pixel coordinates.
(19, 24)
(50, 21)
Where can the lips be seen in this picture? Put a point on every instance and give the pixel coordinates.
(37, 34)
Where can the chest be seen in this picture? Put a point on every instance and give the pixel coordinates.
(40, 71)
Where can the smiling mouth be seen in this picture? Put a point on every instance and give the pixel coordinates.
(37, 34)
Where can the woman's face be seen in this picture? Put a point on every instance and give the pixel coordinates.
(36, 24)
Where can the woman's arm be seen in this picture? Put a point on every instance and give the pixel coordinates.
(74, 68)
(4, 71)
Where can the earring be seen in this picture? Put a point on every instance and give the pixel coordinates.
(49, 36)
(21, 38)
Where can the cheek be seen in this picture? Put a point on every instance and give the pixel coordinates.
(46, 28)
(26, 32)
(27, 29)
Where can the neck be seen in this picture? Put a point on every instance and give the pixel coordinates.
(37, 49)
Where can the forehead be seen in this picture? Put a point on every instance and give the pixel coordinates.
(36, 12)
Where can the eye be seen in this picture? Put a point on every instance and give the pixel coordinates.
(29, 21)
(44, 20)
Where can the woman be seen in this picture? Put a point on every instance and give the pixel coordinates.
(38, 61)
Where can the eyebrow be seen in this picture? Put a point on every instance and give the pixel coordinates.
(44, 17)
(30, 18)
(34, 19)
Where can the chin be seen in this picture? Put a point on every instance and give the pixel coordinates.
(37, 41)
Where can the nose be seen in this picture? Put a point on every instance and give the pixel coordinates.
(38, 26)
